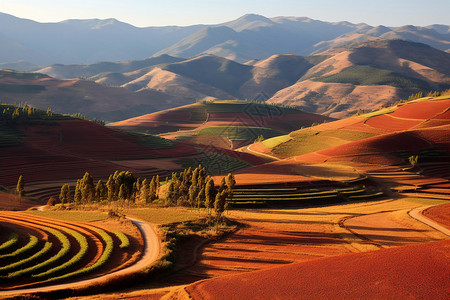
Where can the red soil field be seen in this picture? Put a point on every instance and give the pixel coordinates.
(260, 148)
(443, 116)
(422, 110)
(439, 135)
(339, 123)
(415, 271)
(275, 172)
(11, 202)
(389, 123)
(91, 141)
(377, 159)
(254, 160)
(440, 214)
(432, 123)
(312, 158)
(361, 126)
(379, 144)
(156, 119)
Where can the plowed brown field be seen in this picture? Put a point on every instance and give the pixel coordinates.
(411, 272)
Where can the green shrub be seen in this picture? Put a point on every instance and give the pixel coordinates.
(65, 248)
(13, 239)
(124, 241)
(103, 259)
(30, 245)
(47, 247)
(82, 241)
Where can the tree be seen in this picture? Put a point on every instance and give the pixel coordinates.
(152, 189)
(144, 191)
(101, 191)
(201, 198)
(230, 182)
(210, 194)
(87, 188)
(20, 188)
(122, 192)
(170, 199)
(157, 186)
(65, 196)
(110, 185)
(193, 192)
(413, 160)
(219, 206)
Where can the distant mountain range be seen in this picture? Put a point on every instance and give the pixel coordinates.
(336, 83)
(352, 68)
(249, 37)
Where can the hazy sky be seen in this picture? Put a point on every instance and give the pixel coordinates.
(187, 12)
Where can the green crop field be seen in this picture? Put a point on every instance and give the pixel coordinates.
(162, 216)
(71, 216)
(215, 163)
(367, 75)
(241, 132)
(153, 141)
(307, 140)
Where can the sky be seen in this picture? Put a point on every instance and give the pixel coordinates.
(142, 13)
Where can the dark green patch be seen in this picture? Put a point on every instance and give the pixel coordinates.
(10, 136)
(215, 163)
(241, 132)
(367, 75)
(21, 88)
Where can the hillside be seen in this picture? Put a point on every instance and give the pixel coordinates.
(380, 144)
(95, 100)
(49, 149)
(227, 124)
(337, 84)
(368, 76)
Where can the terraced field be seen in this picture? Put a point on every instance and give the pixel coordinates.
(270, 196)
(39, 251)
(239, 121)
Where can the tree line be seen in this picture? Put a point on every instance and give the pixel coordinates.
(189, 188)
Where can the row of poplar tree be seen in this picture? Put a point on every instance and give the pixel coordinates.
(121, 185)
(189, 187)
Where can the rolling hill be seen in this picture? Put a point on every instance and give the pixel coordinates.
(95, 100)
(368, 76)
(49, 149)
(337, 83)
(380, 144)
(226, 124)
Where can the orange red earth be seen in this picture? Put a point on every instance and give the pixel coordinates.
(415, 271)
(408, 272)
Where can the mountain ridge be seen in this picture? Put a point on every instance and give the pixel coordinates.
(248, 37)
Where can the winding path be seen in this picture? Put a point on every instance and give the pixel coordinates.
(417, 214)
(150, 255)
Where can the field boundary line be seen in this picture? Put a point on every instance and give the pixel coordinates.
(416, 213)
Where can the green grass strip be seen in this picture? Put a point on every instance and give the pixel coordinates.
(47, 247)
(65, 247)
(367, 196)
(124, 241)
(82, 241)
(13, 239)
(99, 263)
(284, 199)
(30, 245)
